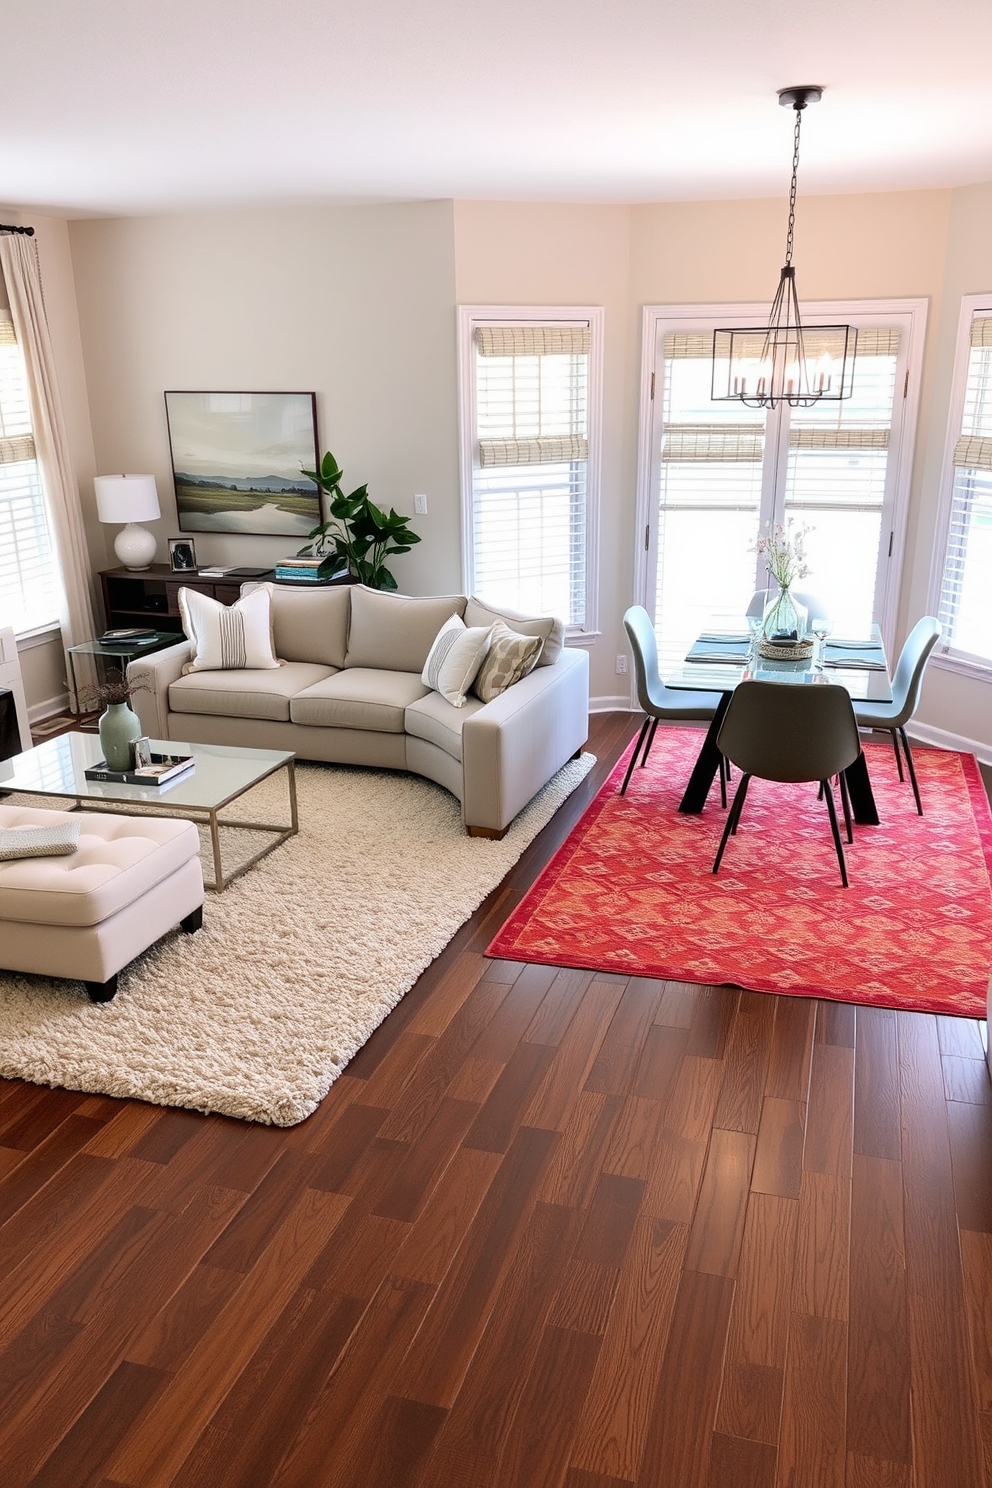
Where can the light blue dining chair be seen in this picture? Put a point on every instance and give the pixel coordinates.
(906, 684)
(658, 701)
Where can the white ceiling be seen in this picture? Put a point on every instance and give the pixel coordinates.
(125, 106)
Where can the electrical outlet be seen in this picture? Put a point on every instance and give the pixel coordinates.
(420, 506)
(622, 664)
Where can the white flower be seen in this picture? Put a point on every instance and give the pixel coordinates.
(784, 552)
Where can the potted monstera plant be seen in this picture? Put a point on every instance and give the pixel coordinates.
(356, 531)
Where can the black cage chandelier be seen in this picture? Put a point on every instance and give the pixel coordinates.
(785, 362)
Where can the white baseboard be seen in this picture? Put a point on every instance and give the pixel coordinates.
(619, 704)
(38, 712)
(941, 739)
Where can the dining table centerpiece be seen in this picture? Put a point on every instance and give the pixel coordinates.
(785, 619)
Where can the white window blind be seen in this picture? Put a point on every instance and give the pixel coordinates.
(725, 471)
(965, 609)
(529, 430)
(29, 580)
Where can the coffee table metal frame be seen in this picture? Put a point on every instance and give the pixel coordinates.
(57, 768)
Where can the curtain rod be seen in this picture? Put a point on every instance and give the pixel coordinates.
(6, 227)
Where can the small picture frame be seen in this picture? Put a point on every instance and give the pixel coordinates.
(142, 752)
(182, 555)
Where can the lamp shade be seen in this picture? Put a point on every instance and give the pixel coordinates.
(126, 498)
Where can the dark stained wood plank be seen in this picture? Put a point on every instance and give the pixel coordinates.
(778, 1157)
(823, 1241)
(878, 1391)
(562, 1086)
(694, 1095)
(712, 1020)
(673, 1186)
(247, 1438)
(718, 1224)
(735, 1463)
(171, 1130)
(576, 1477)
(970, 1128)
(43, 1161)
(679, 1438)
(588, 1281)
(746, 1064)
(430, 1246)
(976, 1257)
(537, 1447)
(80, 1455)
(836, 1023)
(811, 1445)
(637, 1134)
(751, 1399)
(459, 1312)
(869, 1472)
(33, 1117)
(480, 1418)
(611, 1439)
(830, 1111)
(620, 1051)
(946, 1439)
(250, 1231)
(967, 1080)
(960, 1036)
(677, 1006)
(792, 1044)
(501, 1116)
(558, 1008)
(391, 1453)
(354, 1133)
(170, 1334)
(516, 1012)
(664, 1050)
(579, 1159)
(425, 1161)
(877, 1118)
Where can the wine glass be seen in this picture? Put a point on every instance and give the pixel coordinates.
(821, 628)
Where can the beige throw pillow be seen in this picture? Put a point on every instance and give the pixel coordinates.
(39, 842)
(510, 657)
(454, 659)
(228, 637)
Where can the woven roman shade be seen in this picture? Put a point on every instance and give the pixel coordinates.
(504, 341)
(973, 452)
(981, 330)
(548, 450)
(883, 342)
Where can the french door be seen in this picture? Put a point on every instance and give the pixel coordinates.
(714, 476)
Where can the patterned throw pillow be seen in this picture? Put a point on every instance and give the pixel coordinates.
(454, 659)
(228, 637)
(38, 842)
(510, 657)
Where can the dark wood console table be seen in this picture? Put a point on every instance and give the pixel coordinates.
(151, 595)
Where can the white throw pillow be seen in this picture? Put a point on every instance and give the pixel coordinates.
(510, 657)
(454, 659)
(228, 637)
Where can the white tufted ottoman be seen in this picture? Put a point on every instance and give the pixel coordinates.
(87, 914)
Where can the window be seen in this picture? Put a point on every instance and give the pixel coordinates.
(30, 593)
(718, 474)
(964, 581)
(530, 458)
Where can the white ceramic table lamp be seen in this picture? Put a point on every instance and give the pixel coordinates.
(129, 499)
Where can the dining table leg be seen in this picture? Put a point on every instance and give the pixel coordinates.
(707, 763)
(862, 796)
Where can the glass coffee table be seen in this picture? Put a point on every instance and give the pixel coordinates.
(220, 775)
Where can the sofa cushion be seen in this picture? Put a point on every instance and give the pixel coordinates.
(454, 660)
(551, 630)
(228, 637)
(118, 859)
(244, 694)
(510, 657)
(311, 624)
(440, 723)
(394, 631)
(359, 698)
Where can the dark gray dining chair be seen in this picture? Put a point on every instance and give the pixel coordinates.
(789, 734)
(906, 684)
(658, 701)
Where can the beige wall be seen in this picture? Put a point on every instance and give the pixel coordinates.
(359, 304)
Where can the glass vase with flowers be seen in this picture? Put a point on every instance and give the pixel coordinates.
(785, 617)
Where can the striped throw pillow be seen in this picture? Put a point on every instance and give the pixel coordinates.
(228, 637)
(454, 659)
(510, 657)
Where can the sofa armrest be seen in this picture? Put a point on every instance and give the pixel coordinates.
(156, 674)
(513, 746)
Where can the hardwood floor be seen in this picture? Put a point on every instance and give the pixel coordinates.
(548, 1228)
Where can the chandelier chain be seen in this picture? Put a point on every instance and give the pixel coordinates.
(792, 190)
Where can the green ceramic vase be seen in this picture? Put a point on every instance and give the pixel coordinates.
(119, 727)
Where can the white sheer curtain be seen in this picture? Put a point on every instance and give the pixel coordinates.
(22, 277)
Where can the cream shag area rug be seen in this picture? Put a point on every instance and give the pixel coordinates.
(298, 961)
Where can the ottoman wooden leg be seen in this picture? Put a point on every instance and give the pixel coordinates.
(102, 991)
(193, 921)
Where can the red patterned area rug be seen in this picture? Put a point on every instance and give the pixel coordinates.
(632, 890)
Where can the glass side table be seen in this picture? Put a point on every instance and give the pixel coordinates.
(116, 655)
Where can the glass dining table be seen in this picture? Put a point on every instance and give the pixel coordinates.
(719, 660)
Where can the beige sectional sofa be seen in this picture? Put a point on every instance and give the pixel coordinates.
(350, 692)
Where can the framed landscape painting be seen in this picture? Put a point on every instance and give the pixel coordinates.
(236, 462)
